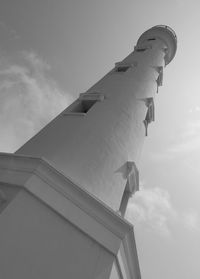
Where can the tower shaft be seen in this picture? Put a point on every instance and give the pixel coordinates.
(97, 140)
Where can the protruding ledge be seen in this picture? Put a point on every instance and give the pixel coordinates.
(92, 96)
(75, 205)
(164, 33)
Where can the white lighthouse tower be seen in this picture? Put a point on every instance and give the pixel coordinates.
(64, 193)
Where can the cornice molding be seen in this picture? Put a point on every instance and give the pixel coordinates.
(73, 203)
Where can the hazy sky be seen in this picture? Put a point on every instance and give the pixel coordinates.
(50, 51)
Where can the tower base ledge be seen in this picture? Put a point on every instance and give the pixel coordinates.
(86, 213)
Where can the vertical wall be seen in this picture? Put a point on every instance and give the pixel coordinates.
(94, 138)
(37, 243)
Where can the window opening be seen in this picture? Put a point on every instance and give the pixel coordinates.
(151, 39)
(82, 106)
(122, 69)
(85, 105)
(141, 49)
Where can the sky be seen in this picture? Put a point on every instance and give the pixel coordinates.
(51, 51)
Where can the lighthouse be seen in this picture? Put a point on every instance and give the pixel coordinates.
(64, 193)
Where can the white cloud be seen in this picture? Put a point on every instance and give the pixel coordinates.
(152, 209)
(195, 109)
(190, 220)
(29, 99)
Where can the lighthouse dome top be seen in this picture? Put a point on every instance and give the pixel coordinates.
(166, 34)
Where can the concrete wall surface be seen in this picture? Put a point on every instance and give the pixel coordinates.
(37, 243)
(92, 148)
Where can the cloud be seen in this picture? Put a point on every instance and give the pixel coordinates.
(195, 109)
(152, 209)
(190, 220)
(29, 99)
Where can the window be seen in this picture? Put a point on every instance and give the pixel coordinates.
(82, 106)
(84, 103)
(141, 49)
(122, 69)
(151, 39)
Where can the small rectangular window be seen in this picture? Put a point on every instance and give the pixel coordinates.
(141, 49)
(82, 106)
(122, 69)
(87, 105)
(151, 39)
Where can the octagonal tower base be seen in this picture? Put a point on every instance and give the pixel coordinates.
(52, 228)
